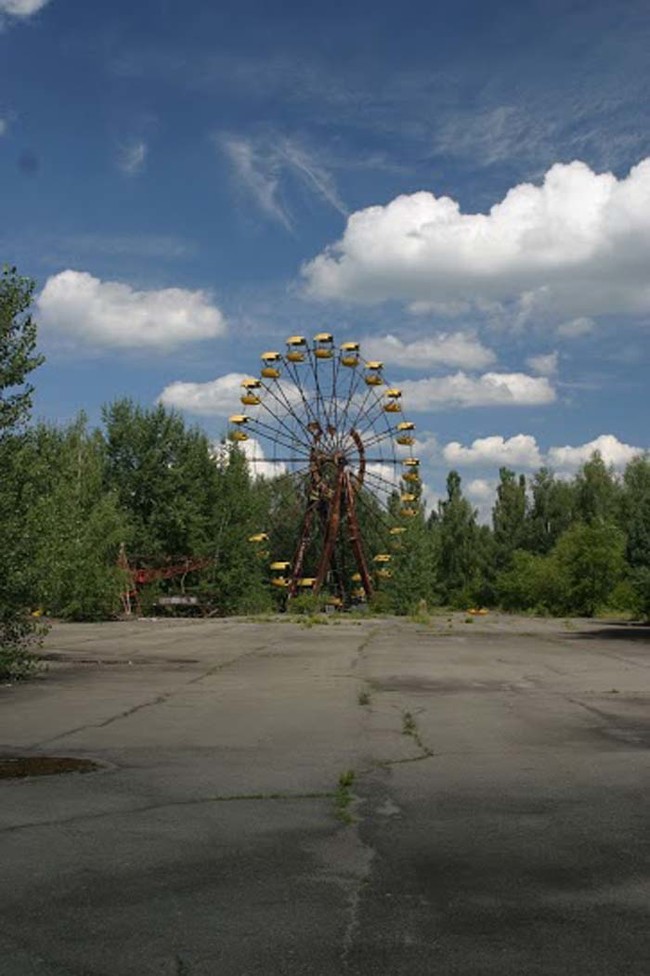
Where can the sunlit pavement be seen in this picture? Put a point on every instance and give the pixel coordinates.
(464, 796)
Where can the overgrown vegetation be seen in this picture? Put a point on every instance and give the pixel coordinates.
(71, 496)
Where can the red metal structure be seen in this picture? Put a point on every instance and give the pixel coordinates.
(139, 574)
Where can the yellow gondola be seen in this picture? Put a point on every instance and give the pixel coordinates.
(408, 512)
(373, 375)
(382, 557)
(238, 418)
(307, 581)
(250, 399)
(384, 574)
(237, 436)
(270, 370)
(280, 565)
(296, 349)
(397, 530)
(411, 462)
(356, 577)
(350, 354)
(359, 593)
(404, 435)
(259, 537)
(411, 477)
(408, 497)
(323, 345)
(280, 581)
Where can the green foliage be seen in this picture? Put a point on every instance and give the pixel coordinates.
(164, 478)
(20, 636)
(635, 517)
(509, 517)
(18, 631)
(72, 523)
(17, 349)
(459, 557)
(306, 604)
(531, 583)
(577, 577)
(590, 562)
(551, 511)
(413, 568)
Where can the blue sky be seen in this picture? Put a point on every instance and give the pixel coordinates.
(189, 183)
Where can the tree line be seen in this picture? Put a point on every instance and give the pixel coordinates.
(71, 495)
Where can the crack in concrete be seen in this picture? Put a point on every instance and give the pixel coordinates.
(152, 702)
(227, 798)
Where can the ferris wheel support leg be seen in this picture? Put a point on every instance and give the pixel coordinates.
(355, 539)
(333, 525)
(299, 558)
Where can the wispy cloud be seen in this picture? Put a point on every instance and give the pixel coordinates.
(265, 168)
(132, 157)
(259, 176)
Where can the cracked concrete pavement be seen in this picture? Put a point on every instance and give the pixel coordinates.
(500, 800)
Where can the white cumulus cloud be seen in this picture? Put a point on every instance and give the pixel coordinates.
(21, 8)
(544, 364)
(577, 245)
(446, 348)
(259, 465)
(518, 451)
(216, 398)
(220, 397)
(575, 328)
(612, 450)
(490, 389)
(109, 313)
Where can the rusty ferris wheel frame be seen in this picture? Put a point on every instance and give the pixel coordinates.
(326, 417)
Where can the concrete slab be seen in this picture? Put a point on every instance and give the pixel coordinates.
(500, 818)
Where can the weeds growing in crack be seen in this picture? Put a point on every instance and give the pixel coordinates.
(364, 697)
(343, 797)
(409, 726)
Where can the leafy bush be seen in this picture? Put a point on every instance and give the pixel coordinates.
(20, 635)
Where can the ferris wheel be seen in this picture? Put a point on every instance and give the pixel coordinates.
(325, 419)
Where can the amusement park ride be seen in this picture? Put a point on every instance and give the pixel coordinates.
(326, 418)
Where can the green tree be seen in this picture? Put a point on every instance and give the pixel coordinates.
(635, 509)
(551, 511)
(597, 493)
(413, 567)
(532, 582)
(458, 563)
(590, 562)
(72, 523)
(239, 580)
(18, 358)
(165, 479)
(509, 516)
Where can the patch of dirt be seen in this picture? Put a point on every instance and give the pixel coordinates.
(19, 767)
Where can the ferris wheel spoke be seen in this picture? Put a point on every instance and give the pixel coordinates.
(381, 481)
(323, 417)
(293, 369)
(276, 437)
(283, 400)
(352, 388)
(366, 408)
(276, 417)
